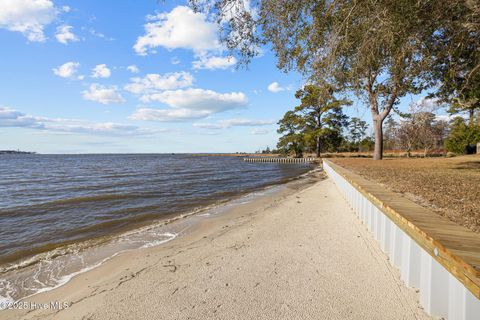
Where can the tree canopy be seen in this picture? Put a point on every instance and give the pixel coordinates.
(381, 50)
(322, 114)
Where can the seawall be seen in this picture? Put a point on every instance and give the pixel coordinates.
(434, 255)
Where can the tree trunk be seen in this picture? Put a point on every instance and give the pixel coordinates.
(318, 147)
(471, 116)
(378, 128)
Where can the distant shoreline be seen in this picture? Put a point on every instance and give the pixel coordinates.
(16, 152)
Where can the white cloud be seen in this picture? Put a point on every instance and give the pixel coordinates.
(212, 63)
(13, 118)
(66, 9)
(180, 28)
(224, 124)
(189, 104)
(67, 70)
(103, 94)
(27, 16)
(428, 104)
(64, 34)
(198, 99)
(152, 83)
(445, 117)
(259, 131)
(275, 87)
(168, 115)
(97, 34)
(133, 69)
(101, 71)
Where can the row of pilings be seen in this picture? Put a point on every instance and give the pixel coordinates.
(279, 160)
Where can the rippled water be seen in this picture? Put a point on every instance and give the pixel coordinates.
(52, 203)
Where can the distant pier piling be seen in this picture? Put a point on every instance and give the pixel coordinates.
(280, 160)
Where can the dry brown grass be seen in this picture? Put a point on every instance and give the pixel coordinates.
(448, 186)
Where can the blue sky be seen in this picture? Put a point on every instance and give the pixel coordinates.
(133, 76)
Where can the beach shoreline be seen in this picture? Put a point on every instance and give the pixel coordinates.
(63, 263)
(39, 271)
(270, 248)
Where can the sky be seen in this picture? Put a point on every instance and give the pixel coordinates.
(134, 77)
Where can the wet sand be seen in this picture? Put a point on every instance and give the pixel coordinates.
(293, 255)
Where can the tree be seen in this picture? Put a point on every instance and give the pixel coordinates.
(291, 126)
(367, 144)
(455, 55)
(390, 133)
(322, 113)
(357, 129)
(407, 136)
(461, 136)
(421, 130)
(429, 131)
(382, 50)
(369, 47)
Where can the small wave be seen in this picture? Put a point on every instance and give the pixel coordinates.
(170, 236)
(47, 275)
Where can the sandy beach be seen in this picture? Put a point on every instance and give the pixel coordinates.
(298, 254)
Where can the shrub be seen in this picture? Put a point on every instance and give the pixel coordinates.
(462, 137)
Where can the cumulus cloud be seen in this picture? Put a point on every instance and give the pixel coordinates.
(133, 69)
(67, 70)
(212, 63)
(153, 83)
(275, 87)
(29, 17)
(181, 28)
(198, 99)
(189, 104)
(64, 34)
(224, 124)
(103, 94)
(14, 118)
(101, 71)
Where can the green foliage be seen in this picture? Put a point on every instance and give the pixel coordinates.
(461, 136)
(329, 140)
(316, 124)
(455, 55)
(292, 140)
(381, 50)
(367, 144)
(357, 129)
(355, 137)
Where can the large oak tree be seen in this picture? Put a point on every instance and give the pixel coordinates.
(368, 47)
